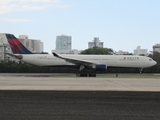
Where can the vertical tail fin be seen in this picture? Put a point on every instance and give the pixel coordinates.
(16, 46)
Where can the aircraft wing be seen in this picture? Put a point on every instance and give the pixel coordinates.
(76, 61)
(15, 55)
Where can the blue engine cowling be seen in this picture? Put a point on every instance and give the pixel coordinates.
(101, 67)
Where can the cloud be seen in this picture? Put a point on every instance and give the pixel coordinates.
(7, 6)
(11, 6)
(62, 6)
(15, 20)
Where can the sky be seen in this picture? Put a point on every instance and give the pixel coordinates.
(120, 24)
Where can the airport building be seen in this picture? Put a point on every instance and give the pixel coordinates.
(139, 51)
(121, 52)
(156, 48)
(64, 45)
(73, 51)
(96, 43)
(4, 47)
(63, 42)
(33, 45)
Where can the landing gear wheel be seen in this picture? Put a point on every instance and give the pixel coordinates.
(141, 70)
(81, 74)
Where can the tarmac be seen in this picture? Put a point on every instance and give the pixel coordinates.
(26, 96)
(32, 82)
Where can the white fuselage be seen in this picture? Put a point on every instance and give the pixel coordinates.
(109, 60)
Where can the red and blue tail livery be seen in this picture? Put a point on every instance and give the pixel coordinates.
(16, 46)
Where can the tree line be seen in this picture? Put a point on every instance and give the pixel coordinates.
(19, 67)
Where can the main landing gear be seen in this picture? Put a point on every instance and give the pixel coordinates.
(85, 74)
(141, 70)
(80, 73)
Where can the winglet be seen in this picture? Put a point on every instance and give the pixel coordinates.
(54, 54)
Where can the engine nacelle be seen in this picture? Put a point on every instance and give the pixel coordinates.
(100, 67)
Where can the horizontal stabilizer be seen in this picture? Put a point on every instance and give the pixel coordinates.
(14, 55)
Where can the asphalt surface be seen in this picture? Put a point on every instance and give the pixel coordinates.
(79, 84)
(79, 105)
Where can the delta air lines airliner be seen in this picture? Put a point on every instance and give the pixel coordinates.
(97, 62)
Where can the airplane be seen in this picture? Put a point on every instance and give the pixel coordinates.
(96, 62)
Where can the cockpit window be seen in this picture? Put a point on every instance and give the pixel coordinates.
(150, 59)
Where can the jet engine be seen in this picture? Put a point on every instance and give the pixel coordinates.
(100, 67)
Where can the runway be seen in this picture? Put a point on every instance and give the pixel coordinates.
(78, 84)
(38, 98)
